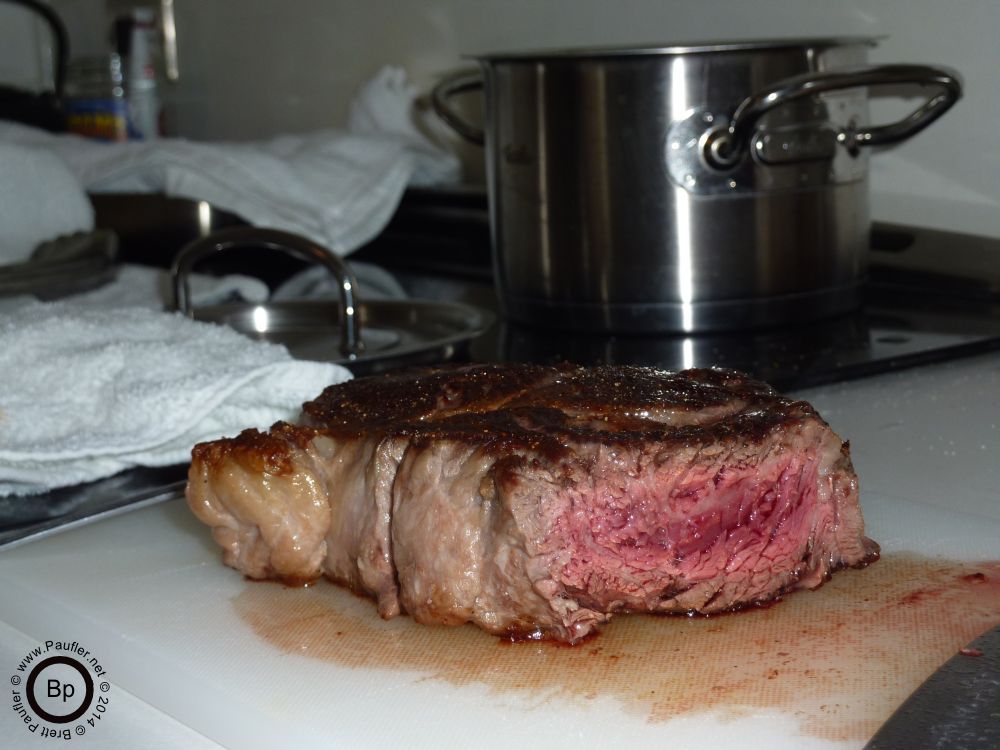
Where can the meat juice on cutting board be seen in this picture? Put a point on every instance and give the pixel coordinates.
(839, 659)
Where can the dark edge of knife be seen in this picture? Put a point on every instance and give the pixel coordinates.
(956, 708)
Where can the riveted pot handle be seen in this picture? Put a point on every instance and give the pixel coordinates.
(724, 147)
(457, 84)
(272, 239)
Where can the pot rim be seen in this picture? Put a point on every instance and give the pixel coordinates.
(694, 48)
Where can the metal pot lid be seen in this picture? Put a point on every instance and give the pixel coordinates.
(396, 332)
(693, 48)
(365, 336)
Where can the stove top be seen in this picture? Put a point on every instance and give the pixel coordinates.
(876, 339)
(932, 295)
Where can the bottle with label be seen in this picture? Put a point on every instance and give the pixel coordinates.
(137, 43)
(95, 98)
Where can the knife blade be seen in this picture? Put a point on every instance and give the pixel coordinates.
(957, 707)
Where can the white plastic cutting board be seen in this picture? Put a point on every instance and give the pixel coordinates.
(257, 665)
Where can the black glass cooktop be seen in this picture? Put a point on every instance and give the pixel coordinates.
(932, 295)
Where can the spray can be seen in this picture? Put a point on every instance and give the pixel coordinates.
(140, 76)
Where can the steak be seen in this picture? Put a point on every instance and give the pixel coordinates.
(537, 501)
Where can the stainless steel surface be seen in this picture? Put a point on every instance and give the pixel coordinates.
(397, 332)
(930, 296)
(605, 215)
(345, 318)
(749, 45)
(798, 151)
(958, 707)
(26, 518)
(724, 146)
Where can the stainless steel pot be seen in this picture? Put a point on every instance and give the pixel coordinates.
(684, 188)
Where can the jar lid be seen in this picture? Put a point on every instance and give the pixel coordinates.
(96, 68)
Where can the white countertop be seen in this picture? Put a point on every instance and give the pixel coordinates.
(141, 588)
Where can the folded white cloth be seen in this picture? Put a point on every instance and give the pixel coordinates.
(40, 199)
(338, 188)
(385, 106)
(90, 392)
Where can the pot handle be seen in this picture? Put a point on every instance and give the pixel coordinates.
(457, 84)
(272, 239)
(724, 146)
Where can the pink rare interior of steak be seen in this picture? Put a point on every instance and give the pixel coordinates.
(693, 521)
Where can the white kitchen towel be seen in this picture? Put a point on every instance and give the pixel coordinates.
(337, 187)
(89, 392)
(386, 105)
(40, 199)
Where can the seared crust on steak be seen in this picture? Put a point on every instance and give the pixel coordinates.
(540, 500)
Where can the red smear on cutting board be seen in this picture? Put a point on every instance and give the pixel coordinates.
(839, 659)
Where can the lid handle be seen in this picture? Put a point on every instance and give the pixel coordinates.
(299, 247)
